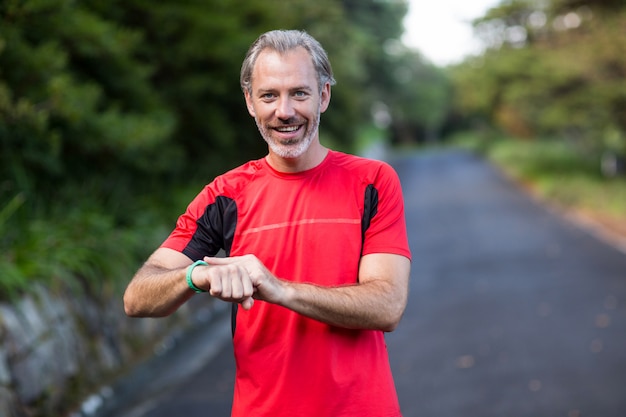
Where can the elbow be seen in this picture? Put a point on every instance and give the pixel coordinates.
(390, 325)
(139, 307)
(130, 307)
(131, 312)
(393, 318)
(133, 306)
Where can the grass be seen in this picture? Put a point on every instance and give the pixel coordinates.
(559, 173)
(82, 248)
(81, 245)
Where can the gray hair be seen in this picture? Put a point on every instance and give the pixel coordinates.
(283, 41)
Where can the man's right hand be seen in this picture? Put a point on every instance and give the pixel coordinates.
(228, 282)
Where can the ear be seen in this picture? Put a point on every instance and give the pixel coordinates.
(325, 98)
(249, 103)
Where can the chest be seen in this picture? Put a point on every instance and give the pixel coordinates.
(288, 223)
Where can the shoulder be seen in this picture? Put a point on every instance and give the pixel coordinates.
(231, 183)
(369, 170)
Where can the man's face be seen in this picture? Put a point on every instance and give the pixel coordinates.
(285, 101)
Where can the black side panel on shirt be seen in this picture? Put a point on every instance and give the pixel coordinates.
(233, 317)
(216, 229)
(370, 208)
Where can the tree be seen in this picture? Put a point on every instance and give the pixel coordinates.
(550, 69)
(111, 108)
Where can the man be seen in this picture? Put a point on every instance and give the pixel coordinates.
(316, 252)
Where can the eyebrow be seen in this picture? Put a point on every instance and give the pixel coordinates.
(262, 91)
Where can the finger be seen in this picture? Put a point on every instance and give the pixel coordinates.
(241, 285)
(227, 285)
(247, 287)
(216, 284)
(247, 303)
(237, 286)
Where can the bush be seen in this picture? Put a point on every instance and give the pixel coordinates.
(557, 171)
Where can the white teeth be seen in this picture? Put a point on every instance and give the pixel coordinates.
(287, 129)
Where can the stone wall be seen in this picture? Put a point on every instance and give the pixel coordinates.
(57, 347)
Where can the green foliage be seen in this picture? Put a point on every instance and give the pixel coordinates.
(534, 160)
(74, 101)
(556, 172)
(397, 87)
(87, 246)
(109, 110)
(561, 175)
(419, 99)
(552, 68)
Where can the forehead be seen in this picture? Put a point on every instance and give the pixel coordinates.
(274, 69)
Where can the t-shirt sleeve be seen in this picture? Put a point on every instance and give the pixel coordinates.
(387, 231)
(194, 234)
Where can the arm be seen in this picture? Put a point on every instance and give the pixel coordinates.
(160, 287)
(377, 301)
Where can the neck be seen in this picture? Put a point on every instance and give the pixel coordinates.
(310, 159)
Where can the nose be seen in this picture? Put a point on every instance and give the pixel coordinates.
(284, 108)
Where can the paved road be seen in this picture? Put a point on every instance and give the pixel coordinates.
(512, 312)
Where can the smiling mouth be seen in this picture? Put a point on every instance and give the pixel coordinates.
(287, 129)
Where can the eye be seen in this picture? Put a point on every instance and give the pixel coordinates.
(267, 96)
(300, 94)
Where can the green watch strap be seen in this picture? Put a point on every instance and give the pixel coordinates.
(189, 271)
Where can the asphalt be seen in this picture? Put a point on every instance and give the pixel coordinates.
(513, 311)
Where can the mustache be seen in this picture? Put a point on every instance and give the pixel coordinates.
(288, 122)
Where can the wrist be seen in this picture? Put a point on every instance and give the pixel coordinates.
(287, 293)
(189, 273)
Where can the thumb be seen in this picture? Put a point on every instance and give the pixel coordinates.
(247, 303)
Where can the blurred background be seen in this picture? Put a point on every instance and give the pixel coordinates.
(113, 115)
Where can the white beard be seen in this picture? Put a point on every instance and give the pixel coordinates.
(290, 149)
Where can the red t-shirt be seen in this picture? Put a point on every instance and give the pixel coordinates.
(311, 226)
